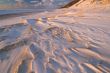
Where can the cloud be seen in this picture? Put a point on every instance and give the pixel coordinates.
(19, 0)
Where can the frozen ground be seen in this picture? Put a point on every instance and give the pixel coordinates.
(69, 40)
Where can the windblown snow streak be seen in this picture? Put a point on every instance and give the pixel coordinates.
(62, 41)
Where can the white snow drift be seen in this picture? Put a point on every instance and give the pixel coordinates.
(73, 40)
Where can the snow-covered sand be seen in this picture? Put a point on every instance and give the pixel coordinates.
(69, 40)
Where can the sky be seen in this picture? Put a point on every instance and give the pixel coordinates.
(7, 1)
(7, 4)
(14, 1)
(27, 1)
